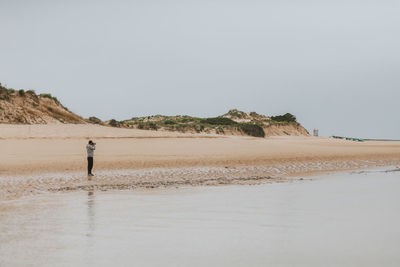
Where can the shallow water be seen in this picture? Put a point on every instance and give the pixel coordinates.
(347, 219)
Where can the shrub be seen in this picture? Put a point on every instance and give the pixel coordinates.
(186, 119)
(46, 96)
(114, 123)
(152, 126)
(147, 126)
(236, 113)
(284, 118)
(21, 92)
(169, 122)
(95, 120)
(218, 121)
(252, 129)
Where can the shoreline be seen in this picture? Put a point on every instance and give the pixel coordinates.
(18, 186)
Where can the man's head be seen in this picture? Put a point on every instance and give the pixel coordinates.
(90, 142)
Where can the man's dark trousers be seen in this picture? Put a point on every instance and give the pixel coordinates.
(90, 165)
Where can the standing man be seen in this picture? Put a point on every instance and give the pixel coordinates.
(90, 147)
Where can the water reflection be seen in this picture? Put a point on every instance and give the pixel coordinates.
(91, 212)
(344, 220)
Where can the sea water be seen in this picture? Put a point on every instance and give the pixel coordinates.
(343, 219)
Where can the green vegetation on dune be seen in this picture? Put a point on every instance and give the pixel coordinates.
(284, 118)
(218, 121)
(115, 123)
(95, 120)
(234, 121)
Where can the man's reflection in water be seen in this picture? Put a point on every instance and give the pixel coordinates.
(90, 240)
(90, 213)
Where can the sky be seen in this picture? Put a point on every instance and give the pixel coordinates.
(334, 64)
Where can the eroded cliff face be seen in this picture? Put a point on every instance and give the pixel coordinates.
(20, 107)
(292, 129)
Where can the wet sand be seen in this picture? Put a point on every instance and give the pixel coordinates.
(344, 219)
(50, 158)
(12, 187)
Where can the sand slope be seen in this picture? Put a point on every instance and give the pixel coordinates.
(20, 107)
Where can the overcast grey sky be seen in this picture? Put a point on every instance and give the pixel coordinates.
(334, 64)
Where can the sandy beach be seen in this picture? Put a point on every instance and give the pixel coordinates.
(42, 158)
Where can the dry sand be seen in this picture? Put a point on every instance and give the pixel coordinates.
(42, 158)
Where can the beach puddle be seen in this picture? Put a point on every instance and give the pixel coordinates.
(346, 219)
